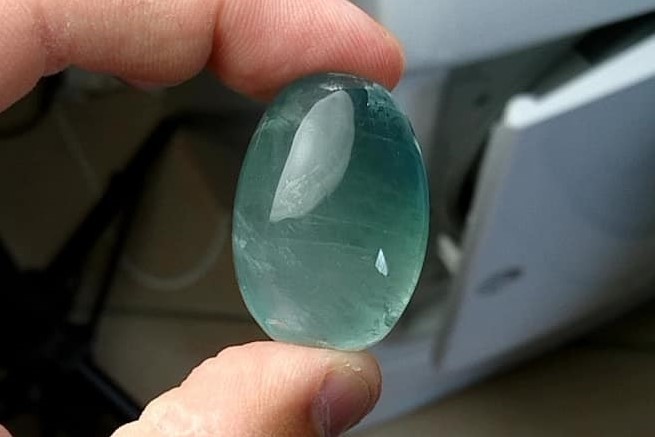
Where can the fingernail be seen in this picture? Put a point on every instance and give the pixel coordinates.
(345, 397)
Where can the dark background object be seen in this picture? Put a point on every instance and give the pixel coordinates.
(46, 358)
(20, 119)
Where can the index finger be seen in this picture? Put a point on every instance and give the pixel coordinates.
(254, 46)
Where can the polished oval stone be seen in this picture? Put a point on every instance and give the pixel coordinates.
(331, 214)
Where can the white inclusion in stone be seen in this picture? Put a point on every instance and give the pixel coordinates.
(381, 264)
(318, 157)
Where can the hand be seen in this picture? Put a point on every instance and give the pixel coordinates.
(264, 389)
(255, 47)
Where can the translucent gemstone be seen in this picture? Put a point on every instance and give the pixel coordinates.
(331, 214)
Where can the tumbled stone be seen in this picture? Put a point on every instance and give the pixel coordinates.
(331, 214)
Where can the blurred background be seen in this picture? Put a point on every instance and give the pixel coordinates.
(115, 222)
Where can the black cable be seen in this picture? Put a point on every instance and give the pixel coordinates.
(65, 344)
(112, 202)
(46, 93)
(114, 258)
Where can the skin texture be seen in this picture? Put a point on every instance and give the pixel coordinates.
(260, 389)
(256, 47)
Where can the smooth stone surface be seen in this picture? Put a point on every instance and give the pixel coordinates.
(332, 214)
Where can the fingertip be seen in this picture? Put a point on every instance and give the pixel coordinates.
(258, 50)
(136, 429)
(348, 393)
(146, 85)
(397, 61)
(269, 388)
(363, 364)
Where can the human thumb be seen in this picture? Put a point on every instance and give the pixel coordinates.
(265, 389)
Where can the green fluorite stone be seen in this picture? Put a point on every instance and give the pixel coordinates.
(331, 214)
